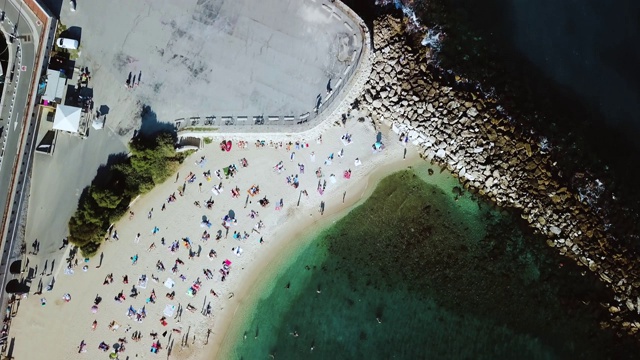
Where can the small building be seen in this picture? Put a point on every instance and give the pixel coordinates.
(56, 84)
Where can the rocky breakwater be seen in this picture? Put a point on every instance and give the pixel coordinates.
(465, 132)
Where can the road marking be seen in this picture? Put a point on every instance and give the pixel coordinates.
(15, 124)
(23, 68)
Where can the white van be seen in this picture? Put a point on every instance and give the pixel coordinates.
(67, 43)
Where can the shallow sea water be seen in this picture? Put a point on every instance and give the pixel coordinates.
(420, 272)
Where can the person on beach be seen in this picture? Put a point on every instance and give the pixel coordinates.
(137, 239)
(82, 347)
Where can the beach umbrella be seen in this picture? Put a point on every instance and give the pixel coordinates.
(232, 214)
(379, 137)
(113, 355)
(94, 309)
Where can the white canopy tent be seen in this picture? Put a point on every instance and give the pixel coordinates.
(67, 118)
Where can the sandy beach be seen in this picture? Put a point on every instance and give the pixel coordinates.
(144, 245)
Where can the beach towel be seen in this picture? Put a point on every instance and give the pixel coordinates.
(169, 283)
(168, 310)
(238, 251)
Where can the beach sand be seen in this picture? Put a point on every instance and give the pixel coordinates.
(60, 326)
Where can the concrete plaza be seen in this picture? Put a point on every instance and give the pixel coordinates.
(211, 57)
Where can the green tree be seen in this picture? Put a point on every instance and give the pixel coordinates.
(105, 197)
(150, 162)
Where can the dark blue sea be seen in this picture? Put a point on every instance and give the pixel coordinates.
(587, 50)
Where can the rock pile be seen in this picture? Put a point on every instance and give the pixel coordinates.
(464, 132)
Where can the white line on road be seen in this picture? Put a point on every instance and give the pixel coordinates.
(15, 123)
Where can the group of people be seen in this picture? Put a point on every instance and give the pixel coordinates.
(240, 235)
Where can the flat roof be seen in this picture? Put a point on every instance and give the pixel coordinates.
(56, 83)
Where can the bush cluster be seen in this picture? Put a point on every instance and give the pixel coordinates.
(150, 162)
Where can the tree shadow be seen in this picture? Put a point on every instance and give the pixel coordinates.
(73, 32)
(104, 174)
(151, 126)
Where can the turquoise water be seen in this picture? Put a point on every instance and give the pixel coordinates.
(421, 272)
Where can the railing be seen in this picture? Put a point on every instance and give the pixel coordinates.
(305, 121)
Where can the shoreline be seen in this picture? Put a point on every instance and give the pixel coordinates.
(36, 319)
(289, 247)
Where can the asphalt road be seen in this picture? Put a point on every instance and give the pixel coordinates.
(15, 101)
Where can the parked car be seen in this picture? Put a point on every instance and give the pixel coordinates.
(66, 43)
